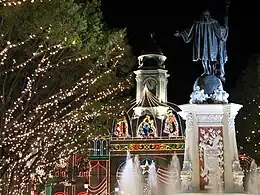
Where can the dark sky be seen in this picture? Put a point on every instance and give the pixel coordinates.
(164, 17)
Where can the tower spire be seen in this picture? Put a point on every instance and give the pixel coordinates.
(151, 73)
(152, 36)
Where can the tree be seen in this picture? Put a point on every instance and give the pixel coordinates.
(63, 76)
(247, 93)
(13, 2)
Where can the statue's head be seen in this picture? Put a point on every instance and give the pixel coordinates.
(205, 16)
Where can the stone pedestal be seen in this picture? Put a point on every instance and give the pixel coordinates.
(211, 156)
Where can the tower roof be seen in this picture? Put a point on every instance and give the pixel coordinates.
(152, 57)
(151, 47)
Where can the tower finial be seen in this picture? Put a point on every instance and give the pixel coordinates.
(152, 36)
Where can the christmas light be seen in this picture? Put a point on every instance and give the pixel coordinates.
(248, 119)
(18, 2)
(37, 132)
(58, 92)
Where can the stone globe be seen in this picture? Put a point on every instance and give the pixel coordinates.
(209, 83)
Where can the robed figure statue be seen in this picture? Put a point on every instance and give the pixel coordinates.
(209, 43)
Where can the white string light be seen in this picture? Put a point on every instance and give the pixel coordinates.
(18, 2)
(36, 133)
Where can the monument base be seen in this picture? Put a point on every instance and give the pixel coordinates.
(203, 193)
(211, 157)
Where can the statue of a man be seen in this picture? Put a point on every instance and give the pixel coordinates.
(209, 43)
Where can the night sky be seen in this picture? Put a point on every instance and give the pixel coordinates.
(164, 17)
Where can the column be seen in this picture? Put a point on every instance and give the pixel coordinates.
(138, 79)
(228, 154)
(195, 154)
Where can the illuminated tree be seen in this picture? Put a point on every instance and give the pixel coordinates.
(247, 93)
(15, 2)
(63, 76)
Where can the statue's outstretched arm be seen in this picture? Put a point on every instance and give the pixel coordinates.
(187, 35)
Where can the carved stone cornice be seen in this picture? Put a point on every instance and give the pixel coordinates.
(210, 118)
(231, 121)
(189, 122)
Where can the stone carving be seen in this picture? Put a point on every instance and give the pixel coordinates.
(220, 96)
(211, 155)
(198, 96)
(210, 118)
(186, 179)
(238, 176)
(138, 78)
(231, 122)
(252, 179)
(189, 122)
(217, 180)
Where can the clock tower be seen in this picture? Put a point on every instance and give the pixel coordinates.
(151, 74)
